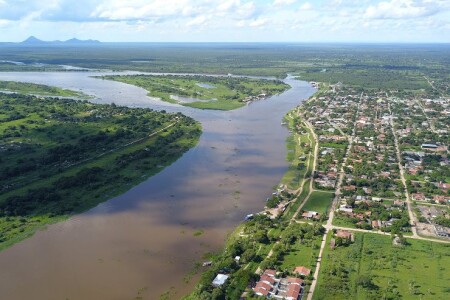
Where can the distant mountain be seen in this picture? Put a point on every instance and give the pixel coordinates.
(32, 40)
(77, 41)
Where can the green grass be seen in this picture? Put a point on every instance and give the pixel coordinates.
(224, 93)
(216, 105)
(419, 270)
(293, 208)
(298, 169)
(319, 201)
(302, 254)
(343, 222)
(38, 89)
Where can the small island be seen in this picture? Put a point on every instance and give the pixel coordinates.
(204, 92)
(39, 90)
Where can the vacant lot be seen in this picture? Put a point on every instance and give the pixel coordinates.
(319, 202)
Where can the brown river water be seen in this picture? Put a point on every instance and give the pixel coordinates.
(143, 243)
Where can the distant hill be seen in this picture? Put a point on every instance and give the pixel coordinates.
(32, 40)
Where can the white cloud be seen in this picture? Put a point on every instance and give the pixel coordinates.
(283, 2)
(259, 22)
(200, 20)
(163, 20)
(306, 6)
(4, 22)
(137, 9)
(402, 9)
(240, 24)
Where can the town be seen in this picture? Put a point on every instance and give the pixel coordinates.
(365, 165)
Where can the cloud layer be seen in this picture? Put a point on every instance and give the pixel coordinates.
(228, 20)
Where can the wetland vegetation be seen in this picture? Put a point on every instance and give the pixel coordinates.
(38, 89)
(206, 92)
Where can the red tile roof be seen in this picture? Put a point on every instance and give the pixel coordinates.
(293, 291)
(294, 280)
(270, 272)
(267, 278)
(261, 291)
(263, 285)
(302, 271)
(344, 234)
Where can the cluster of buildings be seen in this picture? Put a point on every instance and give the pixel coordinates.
(378, 124)
(274, 287)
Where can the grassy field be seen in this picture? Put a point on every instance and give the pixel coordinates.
(319, 201)
(60, 157)
(299, 200)
(302, 254)
(39, 89)
(372, 268)
(204, 92)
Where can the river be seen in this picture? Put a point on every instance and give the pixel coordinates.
(145, 242)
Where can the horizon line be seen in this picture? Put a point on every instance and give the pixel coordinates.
(98, 42)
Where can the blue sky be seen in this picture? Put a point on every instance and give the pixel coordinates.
(227, 20)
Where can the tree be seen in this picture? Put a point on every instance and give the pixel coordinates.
(365, 280)
(261, 236)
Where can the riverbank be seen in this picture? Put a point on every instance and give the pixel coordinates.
(53, 164)
(270, 239)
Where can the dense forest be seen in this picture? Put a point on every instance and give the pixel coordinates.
(61, 156)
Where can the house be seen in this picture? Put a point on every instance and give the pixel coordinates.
(270, 272)
(345, 208)
(219, 280)
(270, 286)
(429, 146)
(267, 279)
(444, 186)
(302, 271)
(266, 283)
(413, 171)
(310, 215)
(344, 234)
(418, 196)
(262, 289)
(293, 292)
(375, 224)
(350, 188)
(399, 202)
(441, 199)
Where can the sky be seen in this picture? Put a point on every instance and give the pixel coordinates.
(400, 21)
